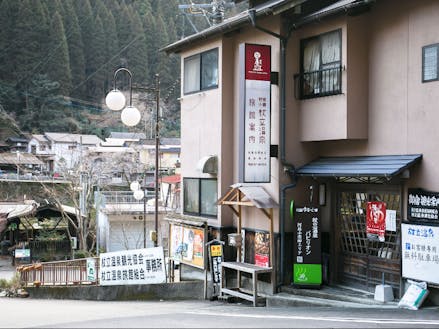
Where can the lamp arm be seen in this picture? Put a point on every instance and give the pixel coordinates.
(131, 77)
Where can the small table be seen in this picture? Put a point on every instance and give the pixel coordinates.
(252, 269)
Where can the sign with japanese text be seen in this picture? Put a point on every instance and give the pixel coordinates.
(420, 252)
(91, 269)
(216, 258)
(376, 220)
(257, 113)
(186, 244)
(422, 205)
(139, 266)
(307, 267)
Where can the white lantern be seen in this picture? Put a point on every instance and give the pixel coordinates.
(130, 116)
(134, 186)
(138, 195)
(115, 100)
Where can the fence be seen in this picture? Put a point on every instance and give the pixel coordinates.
(70, 272)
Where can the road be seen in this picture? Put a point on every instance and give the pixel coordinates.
(27, 313)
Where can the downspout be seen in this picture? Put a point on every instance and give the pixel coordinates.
(287, 167)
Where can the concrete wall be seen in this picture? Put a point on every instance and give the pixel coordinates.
(166, 291)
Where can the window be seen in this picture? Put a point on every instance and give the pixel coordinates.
(321, 65)
(430, 63)
(200, 196)
(201, 72)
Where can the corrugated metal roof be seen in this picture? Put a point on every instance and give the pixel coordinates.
(257, 195)
(359, 166)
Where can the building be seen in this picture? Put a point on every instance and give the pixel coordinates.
(61, 151)
(327, 105)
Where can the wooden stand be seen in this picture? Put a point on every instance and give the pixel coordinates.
(253, 270)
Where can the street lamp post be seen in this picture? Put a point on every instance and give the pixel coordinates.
(130, 116)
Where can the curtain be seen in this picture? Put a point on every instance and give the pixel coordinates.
(330, 61)
(311, 64)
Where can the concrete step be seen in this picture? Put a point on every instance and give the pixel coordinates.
(335, 296)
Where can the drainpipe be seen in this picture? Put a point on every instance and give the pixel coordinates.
(287, 167)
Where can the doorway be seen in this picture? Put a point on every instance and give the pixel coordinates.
(364, 262)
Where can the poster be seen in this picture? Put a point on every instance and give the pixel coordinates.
(186, 244)
(138, 266)
(262, 249)
(307, 253)
(420, 252)
(91, 269)
(376, 220)
(257, 113)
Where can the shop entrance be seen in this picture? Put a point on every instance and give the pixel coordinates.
(364, 263)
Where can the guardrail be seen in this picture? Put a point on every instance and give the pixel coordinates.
(70, 272)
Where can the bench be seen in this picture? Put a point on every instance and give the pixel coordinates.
(238, 291)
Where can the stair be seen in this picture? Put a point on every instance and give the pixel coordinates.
(334, 296)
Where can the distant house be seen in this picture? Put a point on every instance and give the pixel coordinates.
(17, 143)
(61, 151)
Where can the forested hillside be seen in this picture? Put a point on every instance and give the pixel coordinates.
(57, 59)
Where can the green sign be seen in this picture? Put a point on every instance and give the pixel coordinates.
(307, 274)
(307, 253)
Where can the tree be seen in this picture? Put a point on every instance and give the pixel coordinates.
(76, 49)
(58, 65)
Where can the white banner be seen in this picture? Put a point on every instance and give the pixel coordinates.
(420, 252)
(139, 266)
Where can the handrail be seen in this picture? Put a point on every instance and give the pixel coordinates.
(70, 272)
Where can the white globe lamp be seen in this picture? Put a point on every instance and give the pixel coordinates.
(115, 100)
(138, 195)
(135, 186)
(130, 116)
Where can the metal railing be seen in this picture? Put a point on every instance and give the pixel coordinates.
(320, 83)
(121, 197)
(70, 272)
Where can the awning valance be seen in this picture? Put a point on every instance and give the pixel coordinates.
(384, 166)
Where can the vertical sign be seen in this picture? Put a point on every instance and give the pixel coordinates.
(216, 258)
(420, 252)
(307, 267)
(376, 220)
(262, 249)
(91, 269)
(257, 113)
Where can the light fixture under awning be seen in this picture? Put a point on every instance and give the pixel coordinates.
(208, 164)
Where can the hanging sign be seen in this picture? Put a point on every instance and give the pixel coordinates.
(257, 113)
(376, 220)
(420, 252)
(307, 267)
(422, 205)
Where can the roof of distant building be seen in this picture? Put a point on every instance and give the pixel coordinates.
(127, 136)
(74, 138)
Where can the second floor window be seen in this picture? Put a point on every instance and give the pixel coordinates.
(200, 196)
(201, 71)
(321, 65)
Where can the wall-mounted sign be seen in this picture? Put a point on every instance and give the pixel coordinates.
(422, 205)
(139, 266)
(376, 220)
(420, 252)
(307, 267)
(257, 112)
(186, 244)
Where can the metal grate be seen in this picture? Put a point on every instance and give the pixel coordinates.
(368, 262)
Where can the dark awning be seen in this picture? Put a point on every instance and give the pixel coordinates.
(386, 166)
